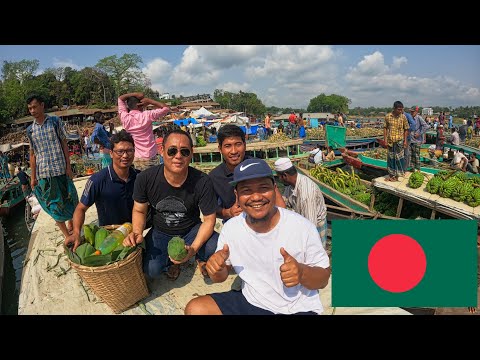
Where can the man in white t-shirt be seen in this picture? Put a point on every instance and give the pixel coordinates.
(473, 164)
(460, 161)
(455, 137)
(316, 155)
(276, 252)
(303, 196)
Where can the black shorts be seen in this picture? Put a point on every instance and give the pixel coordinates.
(234, 303)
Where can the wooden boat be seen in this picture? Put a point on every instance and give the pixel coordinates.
(11, 195)
(378, 167)
(341, 205)
(208, 157)
(431, 137)
(419, 196)
(352, 143)
(371, 166)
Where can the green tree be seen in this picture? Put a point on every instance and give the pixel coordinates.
(329, 103)
(13, 102)
(243, 101)
(125, 72)
(19, 70)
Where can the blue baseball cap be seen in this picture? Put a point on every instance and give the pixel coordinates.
(251, 169)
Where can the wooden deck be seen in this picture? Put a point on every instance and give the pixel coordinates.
(422, 197)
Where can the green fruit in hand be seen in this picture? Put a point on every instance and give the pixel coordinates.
(176, 248)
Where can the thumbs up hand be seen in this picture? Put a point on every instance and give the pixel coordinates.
(290, 271)
(216, 263)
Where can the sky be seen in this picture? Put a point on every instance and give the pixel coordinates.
(291, 75)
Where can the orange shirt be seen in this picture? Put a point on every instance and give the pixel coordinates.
(267, 122)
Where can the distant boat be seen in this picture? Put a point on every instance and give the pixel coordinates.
(378, 167)
(11, 195)
(206, 158)
(352, 142)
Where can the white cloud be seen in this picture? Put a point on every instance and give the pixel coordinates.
(373, 83)
(158, 71)
(65, 63)
(398, 61)
(193, 70)
(234, 87)
(291, 75)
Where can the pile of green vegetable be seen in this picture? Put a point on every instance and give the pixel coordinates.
(457, 186)
(416, 180)
(92, 238)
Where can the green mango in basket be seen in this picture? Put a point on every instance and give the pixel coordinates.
(97, 260)
(100, 235)
(84, 251)
(89, 235)
(94, 228)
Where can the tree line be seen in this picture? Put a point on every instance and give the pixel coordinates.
(99, 87)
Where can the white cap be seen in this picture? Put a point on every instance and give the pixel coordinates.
(283, 164)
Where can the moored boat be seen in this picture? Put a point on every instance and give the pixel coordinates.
(206, 158)
(378, 166)
(11, 195)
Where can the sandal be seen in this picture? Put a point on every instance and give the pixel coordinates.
(202, 265)
(173, 272)
(391, 178)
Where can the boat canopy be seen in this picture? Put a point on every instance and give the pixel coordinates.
(9, 147)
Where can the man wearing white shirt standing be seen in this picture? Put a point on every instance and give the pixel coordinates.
(303, 195)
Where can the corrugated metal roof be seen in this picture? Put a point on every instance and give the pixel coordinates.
(64, 113)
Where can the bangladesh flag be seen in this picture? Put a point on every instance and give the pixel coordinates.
(404, 263)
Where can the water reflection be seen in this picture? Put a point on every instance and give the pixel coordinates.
(16, 244)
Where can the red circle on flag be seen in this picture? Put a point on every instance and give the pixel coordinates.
(397, 263)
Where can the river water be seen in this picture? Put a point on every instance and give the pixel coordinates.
(16, 240)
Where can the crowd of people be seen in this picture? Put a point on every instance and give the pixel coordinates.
(276, 242)
(169, 199)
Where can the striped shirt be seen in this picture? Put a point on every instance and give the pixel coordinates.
(306, 199)
(396, 126)
(48, 148)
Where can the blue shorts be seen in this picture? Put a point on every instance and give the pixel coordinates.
(234, 303)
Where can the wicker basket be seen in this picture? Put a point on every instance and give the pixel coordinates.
(120, 285)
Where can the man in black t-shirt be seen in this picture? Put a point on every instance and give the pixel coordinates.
(176, 193)
(25, 181)
(231, 143)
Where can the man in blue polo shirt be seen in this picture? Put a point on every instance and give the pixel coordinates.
(232, 145)
(111, 189)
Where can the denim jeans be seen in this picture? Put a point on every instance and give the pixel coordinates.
(156, 260)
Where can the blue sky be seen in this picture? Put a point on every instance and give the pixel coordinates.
(290, 75)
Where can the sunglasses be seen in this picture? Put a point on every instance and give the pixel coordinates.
(172, 151)
(121, 152)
